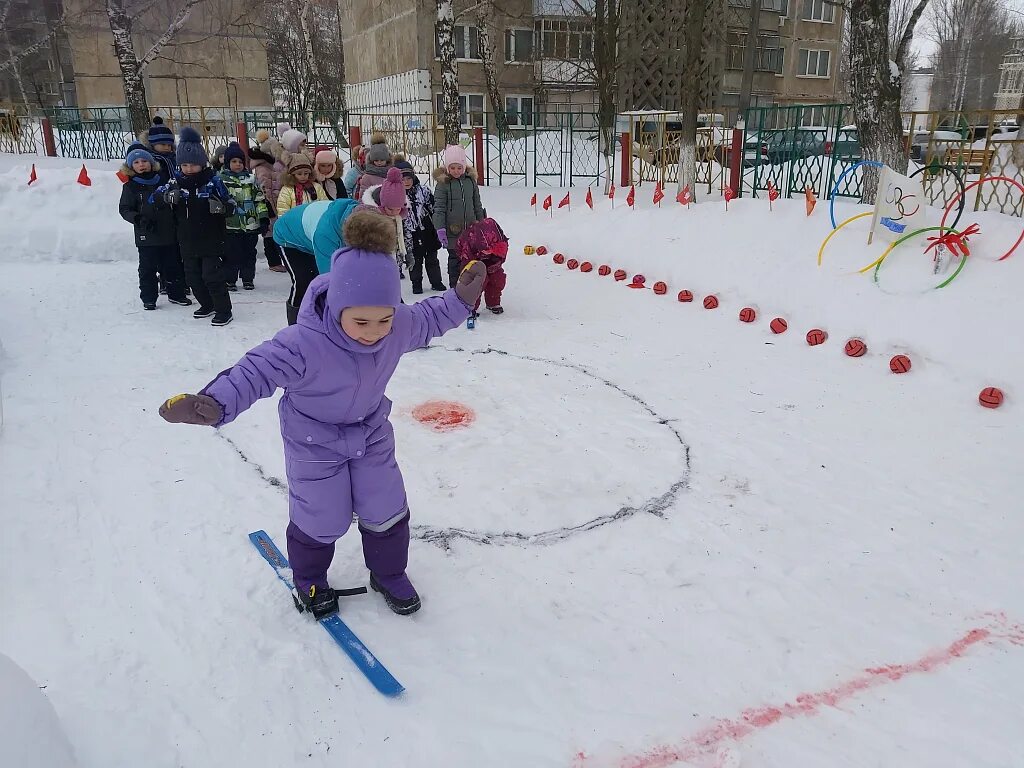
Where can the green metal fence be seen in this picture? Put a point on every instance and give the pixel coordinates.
(99, 133)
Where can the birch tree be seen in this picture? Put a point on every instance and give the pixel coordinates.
(876, 80)
(696, 12)
(132, 66)
(449, 72)
(484, 12)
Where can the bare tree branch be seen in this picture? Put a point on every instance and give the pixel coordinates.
(172, 30)
(908, 34)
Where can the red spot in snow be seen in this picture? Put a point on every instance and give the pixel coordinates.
(443, 415)
(707, 741)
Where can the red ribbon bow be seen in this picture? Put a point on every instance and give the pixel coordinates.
(956, 242)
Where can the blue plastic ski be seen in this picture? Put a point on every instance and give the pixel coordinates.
(471, 323)
(368, 664)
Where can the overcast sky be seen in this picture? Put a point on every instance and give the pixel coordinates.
(925, 46)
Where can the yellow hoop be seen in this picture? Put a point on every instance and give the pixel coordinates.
(843, 224)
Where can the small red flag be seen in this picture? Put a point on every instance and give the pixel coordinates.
(773, 193)
(83, 177)
(32, 176)
(631, 197)
(612, 193)
(811, 199)
(547, 203)
(659, 193)
(684, 197)
(590, 198)
(729, 194)
(565, 201)
(121, 176)
(533, 200)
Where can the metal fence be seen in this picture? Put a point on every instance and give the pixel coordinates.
(800, 146)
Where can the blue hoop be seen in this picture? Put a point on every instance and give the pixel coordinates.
(832, 197)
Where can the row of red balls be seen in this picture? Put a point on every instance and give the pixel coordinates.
(990, 397)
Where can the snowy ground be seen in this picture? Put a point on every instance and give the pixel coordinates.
(673, 538)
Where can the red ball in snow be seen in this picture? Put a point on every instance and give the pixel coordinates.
(778, 325)
(710, 302)
(639, 279)
(604, 270)
(620, 275)
(899, 364)
(572, 264)
(685, 296)
(586, 266)
(991, 397)
(748, 315)
(816, 336)
(542, 250)
(660, 288)
(558, 258)
(856, 348)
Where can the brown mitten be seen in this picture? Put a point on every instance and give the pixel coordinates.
(192, 409)
(471, 283)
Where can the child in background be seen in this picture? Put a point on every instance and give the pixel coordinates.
(389, 198)
(339, 445)
(484, 241)
(297, 185)
(328, 173)
(201, 205)
(294, 143)
(250, 220)
(357, 157)
(160, 140)
(378, 161)
(262, 166)
(154, 229)
(420, 236)
(217, 161)
(456, 202)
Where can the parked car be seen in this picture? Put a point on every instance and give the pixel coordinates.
(845, 146)
(796, 144)
(926, 146)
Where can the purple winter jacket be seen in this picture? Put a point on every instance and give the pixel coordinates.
(339, 445)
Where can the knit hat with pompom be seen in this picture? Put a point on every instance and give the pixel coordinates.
(190, 148)
(364, 273)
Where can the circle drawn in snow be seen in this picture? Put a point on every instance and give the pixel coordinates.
(443, 415)
(544, 456)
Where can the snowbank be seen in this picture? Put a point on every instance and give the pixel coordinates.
(31, 735)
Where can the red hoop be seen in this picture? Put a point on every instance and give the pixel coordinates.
(972, 185)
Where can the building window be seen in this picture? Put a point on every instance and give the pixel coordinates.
(518, 45)
(519, 110)
(565, 40)
(471, 109)
(784, 9)
(767, 57)
(818, 10)
(813, 63)
(467, 43)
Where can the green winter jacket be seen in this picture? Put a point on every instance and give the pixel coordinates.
(456, 203)
(252, 208)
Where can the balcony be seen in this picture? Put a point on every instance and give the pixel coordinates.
(559, 72)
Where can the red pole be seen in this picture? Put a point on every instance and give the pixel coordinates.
(242, 137)
(49, 145)
(355, 138)
(736, 162)
(626, 171)
(478, 143)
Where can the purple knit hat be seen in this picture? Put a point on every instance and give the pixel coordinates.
(392, 191)
(365, 273)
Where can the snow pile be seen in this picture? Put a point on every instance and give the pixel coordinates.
(31, 735)
(58, 219)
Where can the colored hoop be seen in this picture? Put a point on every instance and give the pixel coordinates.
(972, 185)
(832, 196)
(878, 264)
(829, 237)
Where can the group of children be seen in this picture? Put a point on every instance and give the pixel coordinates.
(197, 223)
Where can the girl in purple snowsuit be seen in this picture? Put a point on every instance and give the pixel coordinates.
(339, 446)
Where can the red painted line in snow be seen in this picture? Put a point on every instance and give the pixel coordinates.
(707, 741)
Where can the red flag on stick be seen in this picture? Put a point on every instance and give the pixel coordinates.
(684, 197)
(590, 198)
(565, 201)
(533, 200)
(631, 197)
(729, 195)
(773, 194)
(122, 177)
(547, 203)
(83, 177)
(32, 176)
(659, 194)
(811, 199)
